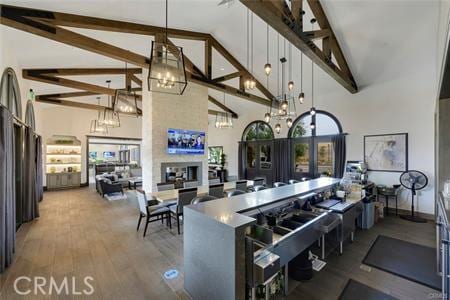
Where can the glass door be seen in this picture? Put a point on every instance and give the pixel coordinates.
(259, 160)
(303, 163)
(324, 156)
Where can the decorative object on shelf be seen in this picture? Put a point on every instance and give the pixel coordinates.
(125, 100)
(63, 162)
(224, 120)
(109, 118)
(267, 66)
(312, 111)
(250, 83)
(386, 152)
(166, 71)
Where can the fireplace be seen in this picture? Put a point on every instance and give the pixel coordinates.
(179, 172)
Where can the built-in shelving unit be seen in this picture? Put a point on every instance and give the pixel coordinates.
(63, 162)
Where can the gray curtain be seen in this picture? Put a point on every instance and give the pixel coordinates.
(7, 189)
(30, 209)
(241, 160)
(39, 174)
(339, 154)
(281, 160)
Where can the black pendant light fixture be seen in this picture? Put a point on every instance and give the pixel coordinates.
(313, 109)
(166, 70)
(96, 127)
(250, 83)
(291, 82)
(267, 66)
(125, 100)
(109, 118)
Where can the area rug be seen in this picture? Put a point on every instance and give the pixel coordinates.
(115, 197)
(355, 290)
(410, 261)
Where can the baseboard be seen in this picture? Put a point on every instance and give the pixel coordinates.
(408, 212)
(84, 184)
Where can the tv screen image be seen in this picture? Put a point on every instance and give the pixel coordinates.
(109, 154)
(180, 141)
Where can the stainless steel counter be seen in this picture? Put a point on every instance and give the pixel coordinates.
(229, 210)
(215, 235)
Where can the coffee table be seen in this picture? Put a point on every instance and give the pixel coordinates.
(135, 182)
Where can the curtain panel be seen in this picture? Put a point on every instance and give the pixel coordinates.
(282, 160)
(30, 200)
(39, 171)
(241, 160)
(339, 155)
(7, 189)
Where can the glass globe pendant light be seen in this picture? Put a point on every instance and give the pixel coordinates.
(291, 82)
(267, 66)
(249, 83)
(289, 122)
(267, 117)
(301, 95)
(312, 111)
(278, 128)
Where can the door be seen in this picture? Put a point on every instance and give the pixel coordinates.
(52, 181)
(259, 160)
(324, 156)
(303, 158)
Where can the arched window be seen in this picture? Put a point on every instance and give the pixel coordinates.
(314, 150)
(10, 93)
(257, 130)
(326, 124)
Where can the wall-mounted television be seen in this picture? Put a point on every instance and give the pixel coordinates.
(109, 154)
(180, 141)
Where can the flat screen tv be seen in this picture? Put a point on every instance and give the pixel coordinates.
(109, 154)
(180, 141)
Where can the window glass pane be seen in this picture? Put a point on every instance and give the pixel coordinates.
(265, 157)
(325, 125)
(302, 127)
(325, 158)
(264, 131)
(301, 156)
(250, 135)
(251, 156)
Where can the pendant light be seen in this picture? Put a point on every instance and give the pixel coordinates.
(291, 82)
(313, 109)
(125, 100)
(166, 70)
(250, 83)
(278, 128)
(301, 96)
(96, 127)
(224, 120)
(267, 66)
(109, 118)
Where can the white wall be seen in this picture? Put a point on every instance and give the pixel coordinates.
(76, 122)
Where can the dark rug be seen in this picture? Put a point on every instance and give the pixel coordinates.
(355, 290)
(410, 261)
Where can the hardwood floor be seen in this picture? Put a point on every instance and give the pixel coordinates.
(80, 234)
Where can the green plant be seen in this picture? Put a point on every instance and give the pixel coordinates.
(223, 158)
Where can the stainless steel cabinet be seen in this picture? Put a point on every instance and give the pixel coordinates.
(63, 180)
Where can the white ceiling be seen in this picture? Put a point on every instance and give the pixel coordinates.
(378, 38)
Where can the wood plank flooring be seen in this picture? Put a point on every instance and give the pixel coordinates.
(80, 234)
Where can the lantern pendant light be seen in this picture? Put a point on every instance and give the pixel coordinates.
(267, 66)
(224, 120)
(313, 109)
(125, 100)
(96, 127)
(166, 70)
(110, 118)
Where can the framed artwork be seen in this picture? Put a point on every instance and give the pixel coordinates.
(386, 152)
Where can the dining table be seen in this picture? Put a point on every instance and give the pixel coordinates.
(202, 190)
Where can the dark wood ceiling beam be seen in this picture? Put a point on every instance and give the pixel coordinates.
(135, 79)
(90, 71)
(70, 95)
(278, 16)
(56, 101)
(317, 34)
(227, 77)
(222, 106)
(208, 59)
(297, 12)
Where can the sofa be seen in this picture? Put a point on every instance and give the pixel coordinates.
(120, 176)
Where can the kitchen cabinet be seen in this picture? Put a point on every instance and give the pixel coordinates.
(63, 180)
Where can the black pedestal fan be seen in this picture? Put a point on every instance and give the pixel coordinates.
(414, 181)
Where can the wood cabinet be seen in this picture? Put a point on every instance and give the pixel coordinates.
(63, 180)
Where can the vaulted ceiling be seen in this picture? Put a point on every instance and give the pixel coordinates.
(377, 38)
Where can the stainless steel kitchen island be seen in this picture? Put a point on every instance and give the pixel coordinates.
(215, 238)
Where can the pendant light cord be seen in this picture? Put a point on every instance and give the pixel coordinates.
(167, 17)
(301, 71)
(278, 64)
(267, 38)
(251, 20)
(312, 71)
(248, 39)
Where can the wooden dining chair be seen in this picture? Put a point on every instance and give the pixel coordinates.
(151, 210)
